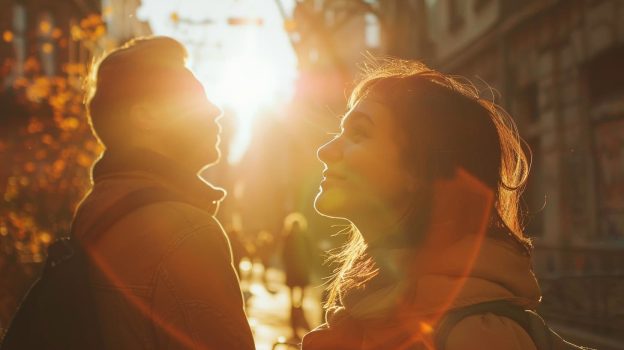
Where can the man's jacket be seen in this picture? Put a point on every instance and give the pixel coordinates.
(162, 276)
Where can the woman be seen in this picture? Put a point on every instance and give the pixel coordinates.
(430, 175)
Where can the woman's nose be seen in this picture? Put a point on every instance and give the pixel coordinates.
(330, 152)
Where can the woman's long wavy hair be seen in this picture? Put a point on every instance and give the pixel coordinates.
(446, 125)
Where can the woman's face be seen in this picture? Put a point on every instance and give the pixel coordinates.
(364, 178)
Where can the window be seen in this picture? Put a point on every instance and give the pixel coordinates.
(455, 18)
(19, 41)
(535, 198)
(609, 152)
(478, 5)
(372, 31)
(606, 97)
(45, 43)
(431, 3)
(527, 108)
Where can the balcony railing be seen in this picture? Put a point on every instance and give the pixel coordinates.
(583, 286)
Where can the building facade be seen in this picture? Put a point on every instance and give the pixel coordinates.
(46, 30)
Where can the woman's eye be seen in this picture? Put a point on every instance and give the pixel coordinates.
(356, 134)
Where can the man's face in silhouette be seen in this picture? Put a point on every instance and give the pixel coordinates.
(189, 127)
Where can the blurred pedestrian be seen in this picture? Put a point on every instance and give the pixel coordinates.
(297, 261)
(429, 175)
(296, 257)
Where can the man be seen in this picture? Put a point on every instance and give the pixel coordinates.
(162, 275)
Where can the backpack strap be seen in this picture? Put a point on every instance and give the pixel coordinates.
(530, 321)
(65, 248)
(127, 204)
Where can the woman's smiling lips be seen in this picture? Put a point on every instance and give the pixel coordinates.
(331, 177)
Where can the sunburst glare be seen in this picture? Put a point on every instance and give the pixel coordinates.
(247, 85)
(238, 50)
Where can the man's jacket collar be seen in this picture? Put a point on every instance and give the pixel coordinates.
(170, 172)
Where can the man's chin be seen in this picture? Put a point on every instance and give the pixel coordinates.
(209, 160)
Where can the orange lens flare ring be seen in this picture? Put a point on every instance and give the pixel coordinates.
(141, 305)
(472, 215)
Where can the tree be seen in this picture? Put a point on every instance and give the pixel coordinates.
(46, 151)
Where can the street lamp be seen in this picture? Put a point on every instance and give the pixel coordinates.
(233, 21)
(244, 21)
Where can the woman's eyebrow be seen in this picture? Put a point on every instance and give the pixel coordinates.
(356, 116)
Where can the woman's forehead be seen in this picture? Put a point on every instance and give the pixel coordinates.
(370, 108)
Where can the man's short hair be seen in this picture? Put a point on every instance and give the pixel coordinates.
(142, 70)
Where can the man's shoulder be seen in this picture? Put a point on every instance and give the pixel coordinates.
(172, 213)
(167, 213)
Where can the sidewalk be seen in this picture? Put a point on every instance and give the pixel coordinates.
(269, 310)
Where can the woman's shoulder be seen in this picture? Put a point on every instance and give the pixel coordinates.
(488, 331)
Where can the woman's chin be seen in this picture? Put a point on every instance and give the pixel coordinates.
(331, 203)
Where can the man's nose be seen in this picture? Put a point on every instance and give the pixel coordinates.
(214, 111)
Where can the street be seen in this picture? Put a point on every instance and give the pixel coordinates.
(268, 308)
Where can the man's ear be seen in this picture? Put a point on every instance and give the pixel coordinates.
(143, 117)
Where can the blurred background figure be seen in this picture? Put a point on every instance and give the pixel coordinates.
(296, 258)
(265, 250)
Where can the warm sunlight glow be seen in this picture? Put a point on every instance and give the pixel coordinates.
(247, 86)
(239, 50)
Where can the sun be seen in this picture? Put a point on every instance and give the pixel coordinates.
(248, 86)
(247, 69)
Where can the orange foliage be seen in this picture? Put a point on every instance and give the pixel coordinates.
(46, 149)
